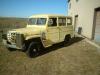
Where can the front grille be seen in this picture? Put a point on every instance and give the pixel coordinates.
(11, 37)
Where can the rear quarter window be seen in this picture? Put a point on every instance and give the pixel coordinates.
(62, 21)
(69, 21)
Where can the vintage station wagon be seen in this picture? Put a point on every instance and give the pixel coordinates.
(42, 31)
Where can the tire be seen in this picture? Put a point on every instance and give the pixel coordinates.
(33, 49)
(67, 40)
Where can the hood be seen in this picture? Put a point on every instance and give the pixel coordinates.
(29, 30)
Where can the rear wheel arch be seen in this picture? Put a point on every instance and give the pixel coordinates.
(67, 38)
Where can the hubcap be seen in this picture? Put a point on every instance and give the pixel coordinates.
(34, 50)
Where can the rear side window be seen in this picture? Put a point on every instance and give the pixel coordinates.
(69, 21)
(62, 21)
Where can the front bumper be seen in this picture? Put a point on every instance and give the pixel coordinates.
(9, 45)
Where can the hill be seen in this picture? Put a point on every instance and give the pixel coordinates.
(7, 22)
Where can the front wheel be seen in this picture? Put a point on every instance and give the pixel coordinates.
(33, 49)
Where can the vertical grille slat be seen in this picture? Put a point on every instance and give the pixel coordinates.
(19, 40)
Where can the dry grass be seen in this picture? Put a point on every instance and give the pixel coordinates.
(8, 23)
(79, 58)
(12, 23)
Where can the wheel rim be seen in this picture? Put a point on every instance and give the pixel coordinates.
(34, 51)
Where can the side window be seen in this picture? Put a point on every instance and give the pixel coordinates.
(69, 21)
(52, 22)
(62, 21)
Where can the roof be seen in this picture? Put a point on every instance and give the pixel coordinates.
(48, 15)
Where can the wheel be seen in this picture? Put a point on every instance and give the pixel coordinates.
(67, 39)
(33, 49)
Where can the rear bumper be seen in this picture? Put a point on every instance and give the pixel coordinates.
(9, 45)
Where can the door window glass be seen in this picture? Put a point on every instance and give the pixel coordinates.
(52, 22)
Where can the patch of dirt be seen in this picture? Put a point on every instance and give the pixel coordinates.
(76, 58)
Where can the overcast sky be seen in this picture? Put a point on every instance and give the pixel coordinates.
(25, 8)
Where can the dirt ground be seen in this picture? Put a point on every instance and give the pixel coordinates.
(77, 58)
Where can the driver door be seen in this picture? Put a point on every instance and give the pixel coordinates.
(53, 30)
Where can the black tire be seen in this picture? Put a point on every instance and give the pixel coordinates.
(67, 40)
(33, 49)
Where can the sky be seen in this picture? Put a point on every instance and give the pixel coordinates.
(26, 8)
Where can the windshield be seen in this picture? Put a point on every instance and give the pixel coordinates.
(37, 21)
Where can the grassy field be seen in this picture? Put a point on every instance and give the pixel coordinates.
(8, 23)
(12, 20)
(78, 58)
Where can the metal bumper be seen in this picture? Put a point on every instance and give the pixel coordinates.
(9, 45)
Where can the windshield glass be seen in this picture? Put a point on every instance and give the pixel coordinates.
(37, 21)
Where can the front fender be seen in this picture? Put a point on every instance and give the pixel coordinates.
(32, 36)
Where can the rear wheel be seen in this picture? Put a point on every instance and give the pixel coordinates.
(67, 39)
(33, 49)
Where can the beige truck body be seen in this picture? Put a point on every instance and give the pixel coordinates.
(48, 32)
